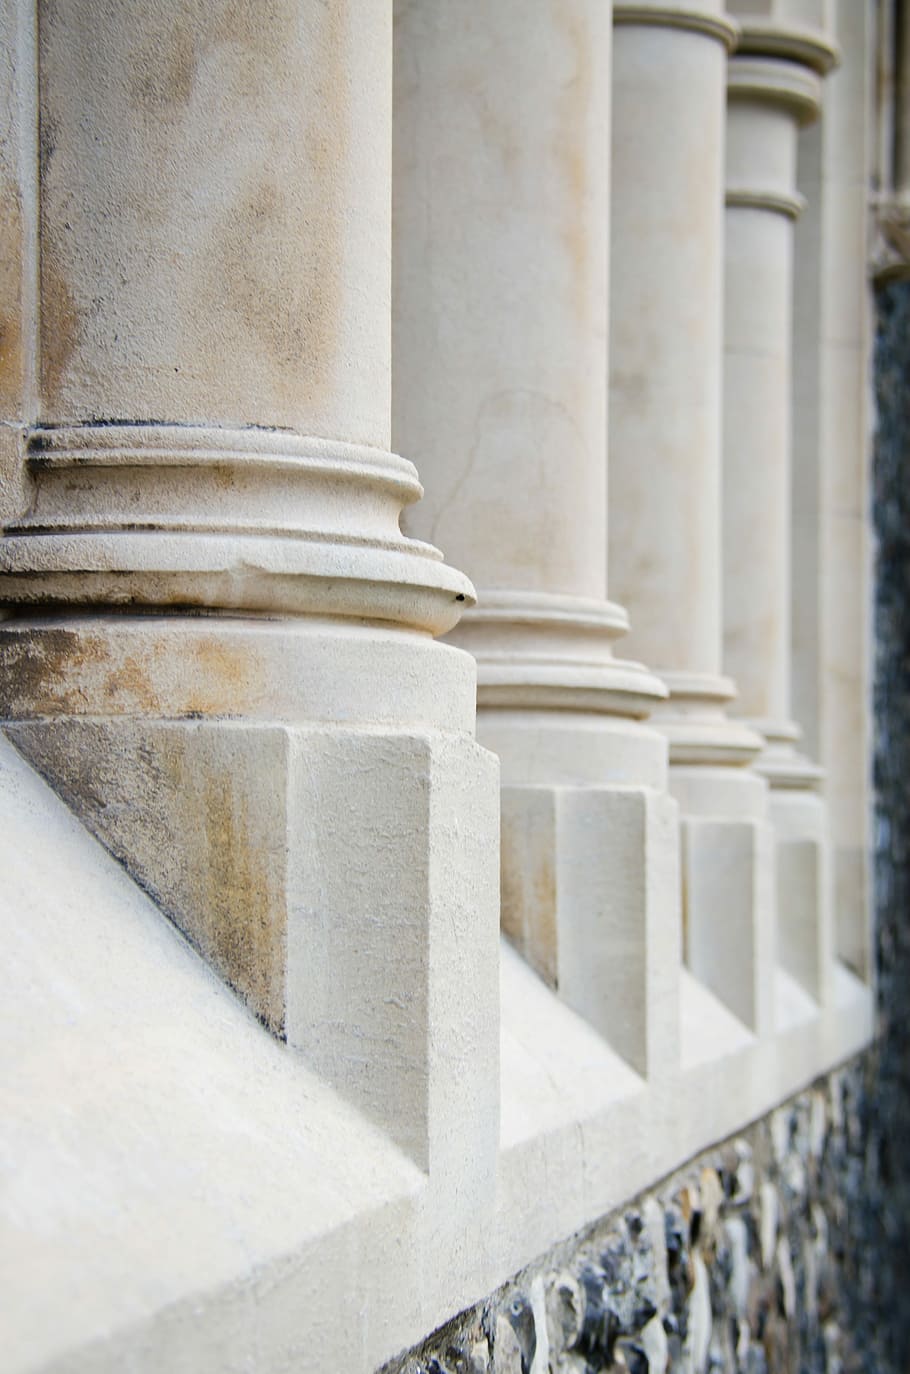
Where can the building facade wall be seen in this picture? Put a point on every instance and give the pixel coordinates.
(377, 926)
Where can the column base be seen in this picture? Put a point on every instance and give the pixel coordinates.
(589, 835)
(538, 651)
(321, 830)
(696, 724)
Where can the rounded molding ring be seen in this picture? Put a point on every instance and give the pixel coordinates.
(789, 771)
(695, 722)
(761, 77)
(699, 689)
(791, 206)
(809, 47)
(686, 17)
(191, 518)
(549, 610)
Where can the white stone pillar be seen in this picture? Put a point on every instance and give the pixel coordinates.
(666, 355)
(831, 483)
(221, 648)
(499, 387)
(773, 88)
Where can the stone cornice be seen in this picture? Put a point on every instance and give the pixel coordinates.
(251, 520)
(776, 202)
(688, 17)
(761, 77)
(760, 37)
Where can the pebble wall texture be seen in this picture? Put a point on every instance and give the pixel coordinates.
(787, 1249)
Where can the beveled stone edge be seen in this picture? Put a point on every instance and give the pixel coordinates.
(689, 18)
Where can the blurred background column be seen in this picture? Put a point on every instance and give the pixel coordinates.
(774, 88)
(666, 357)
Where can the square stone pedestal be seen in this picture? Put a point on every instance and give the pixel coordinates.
(728, 888)
(342, 880)
(590, 885)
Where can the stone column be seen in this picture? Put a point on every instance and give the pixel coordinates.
(220, 650)
(831, 481)
(501, 185)
(666, 354)
(773, 89)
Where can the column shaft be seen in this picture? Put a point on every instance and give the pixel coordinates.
(665, 332)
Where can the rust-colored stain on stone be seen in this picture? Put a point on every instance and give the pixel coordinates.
(214, 149)
(237, 932)
(60, 321)
(56, 670)
(36, 676)
(162, 77)
(165, 800)
(10, 364)
(230, 678)
(291, 303)
(131, 683)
